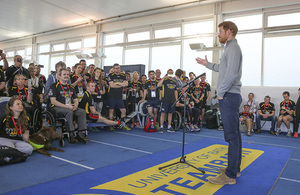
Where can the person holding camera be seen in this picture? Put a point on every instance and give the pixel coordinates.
(286, 113)
(15, 69)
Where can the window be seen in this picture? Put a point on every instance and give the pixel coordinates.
(44, 48)
(58, 47)
(44, 60)
(138, 36)
(251, 46)
(281, 62)
(74, 45)
(247, 22)
(10, 54)
(71, 60)
(198, 28)
(284, 19)
(111, 39)
(54, 60)
(189, 57)
(113, 55)
(170, 32)
(166, 57)
(137, 56)
(89, 42)
(21, 52)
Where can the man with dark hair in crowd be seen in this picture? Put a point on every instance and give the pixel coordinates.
(246, 118)
(169, 96)
(151, 93)
(117, 81)
(77, 81)
(177, 78)
(143, 80)
(42, 78)
(286, 114)
(157, 74)
(64, 101)
(15, 69)
(266, 112)
(90, 71)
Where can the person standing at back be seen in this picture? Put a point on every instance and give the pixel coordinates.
(228, 92)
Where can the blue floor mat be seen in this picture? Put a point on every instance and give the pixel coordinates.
(258, 176)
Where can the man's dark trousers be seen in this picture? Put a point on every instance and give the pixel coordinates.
(229, 108)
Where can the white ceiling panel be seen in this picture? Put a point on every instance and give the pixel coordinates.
(27, 17)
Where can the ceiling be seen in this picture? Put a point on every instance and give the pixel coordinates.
(21, 18)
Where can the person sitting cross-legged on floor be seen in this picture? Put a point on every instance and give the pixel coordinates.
(246, 118)
(87, 103)
(286, 113)
(266, 112)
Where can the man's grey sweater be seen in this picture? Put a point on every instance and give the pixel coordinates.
(230, 69)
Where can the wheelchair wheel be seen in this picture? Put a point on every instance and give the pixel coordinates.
(47, 119)
(61, 143)
(142, 108)
(177, 120)
(36, 120)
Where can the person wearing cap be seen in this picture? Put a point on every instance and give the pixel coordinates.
(246, 118)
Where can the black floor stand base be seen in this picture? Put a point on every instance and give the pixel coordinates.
(182, 160)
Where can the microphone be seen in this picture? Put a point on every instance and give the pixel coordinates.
(192, 81)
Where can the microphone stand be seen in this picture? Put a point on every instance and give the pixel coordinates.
(183, 157)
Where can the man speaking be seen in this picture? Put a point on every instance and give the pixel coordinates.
(228, 92)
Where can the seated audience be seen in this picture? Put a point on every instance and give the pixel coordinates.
(42, 78)
(92, 114)
(286, 114)
(246, 118)
(2, 83)
(65, 102)
(13, 127)
(266, 112)
(19, 90)
(297, 118)
(252, 104)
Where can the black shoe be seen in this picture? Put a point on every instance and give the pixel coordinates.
(73, 140)
(81, 138)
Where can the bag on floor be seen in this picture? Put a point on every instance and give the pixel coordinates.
(211, 121)
(10, 155)
(150, 124)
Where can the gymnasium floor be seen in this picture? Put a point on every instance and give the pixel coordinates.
(109, 148)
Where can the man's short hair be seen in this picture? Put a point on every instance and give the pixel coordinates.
(81, 61)
(179, 72)
(246, 105)
(89, 81)
(251, 94)
(286, 93)
(60, 63)
(229, 25)
(268, 97)
(151, 71)
(116, 64)
(91, 65)
(60, 71)
(76, 65)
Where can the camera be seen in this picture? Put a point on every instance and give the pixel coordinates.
(19, 60)
(41, 66)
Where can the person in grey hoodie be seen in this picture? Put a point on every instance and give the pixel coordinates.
(228, 92)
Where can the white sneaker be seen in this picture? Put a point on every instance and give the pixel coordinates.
(289, 134)
(278, 131)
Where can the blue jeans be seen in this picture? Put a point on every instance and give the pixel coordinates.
(271, 118)
(229, 108)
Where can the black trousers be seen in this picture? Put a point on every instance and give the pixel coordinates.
(297, 119)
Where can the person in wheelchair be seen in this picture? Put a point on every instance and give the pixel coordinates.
(64, 101)
(151, 93)
(192, 113)
(87, 104)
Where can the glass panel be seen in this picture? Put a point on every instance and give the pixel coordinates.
(44, 48)
(113, 55)
(21, 52)
(71, 60)
(164, 58)
(170, 32)
(198, 28)
(28, 51)
(44, 60)
(111, 39)
(54, 60)
(247, 22)
(89, 42)
(137, 56)
(10, 54)
(251, 65)
(74, 45)
(59, 47)
(284, 19)
(138, 36)
(189, 57)
(281, 62)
